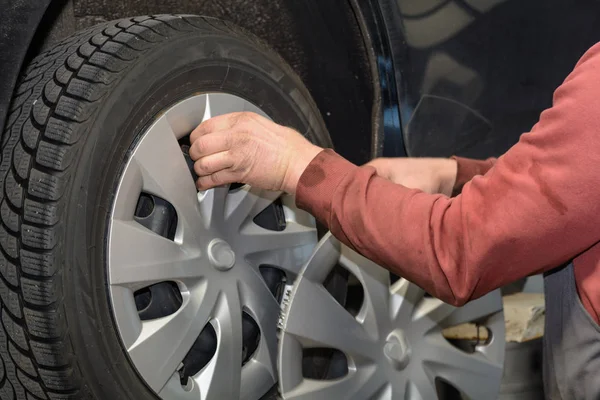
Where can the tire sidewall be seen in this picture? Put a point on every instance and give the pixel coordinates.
(176, 69)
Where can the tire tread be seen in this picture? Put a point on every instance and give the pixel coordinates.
(57, 96)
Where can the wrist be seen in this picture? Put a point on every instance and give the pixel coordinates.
(298, 164)
(448, 170)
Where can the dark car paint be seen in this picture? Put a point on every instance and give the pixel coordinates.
(473, 75)
(387, 138)
(463, 77)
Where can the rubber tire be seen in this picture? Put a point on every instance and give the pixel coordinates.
(77, 111)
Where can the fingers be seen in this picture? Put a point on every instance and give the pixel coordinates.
(215, 134)
(208, 165)
(224, 122)
(215, 170)
(214, 124)
(241, 147)
(210, 144)
(222, 177)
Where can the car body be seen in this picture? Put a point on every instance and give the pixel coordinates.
(440, 76)
(371, 77)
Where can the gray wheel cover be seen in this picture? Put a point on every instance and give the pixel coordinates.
(394, 346)
(214, 260)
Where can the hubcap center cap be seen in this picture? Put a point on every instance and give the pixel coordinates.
(221, 254)
(397, 350)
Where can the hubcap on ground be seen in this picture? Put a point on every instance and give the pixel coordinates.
(393, 345)
(200, 256)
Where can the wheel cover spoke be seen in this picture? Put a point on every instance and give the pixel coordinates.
(157, 259)
(394, 346)
(256, 239)
(474, 310)
(461, 368)
(166, 174)
(289, 259)
(212, 206)
(257, 371)
(216, 380)
(163, 343)
(375, 315)
(358, 385)
(405, 297)
(422, 387)
(212, 292)
(255, 296)
(320, 307)
(174, 390)
(246, 203)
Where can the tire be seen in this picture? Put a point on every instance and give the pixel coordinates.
(77, 111)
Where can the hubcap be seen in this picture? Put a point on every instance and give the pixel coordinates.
(393, 343)
(194, 276)
(221, 255)
(396, 349)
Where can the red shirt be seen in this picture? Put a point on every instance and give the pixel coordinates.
(531, 210)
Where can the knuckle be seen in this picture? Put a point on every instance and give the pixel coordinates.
(232, 140)
(239, 139)
(244, 138)
(201, 145)
(208, 125)
(245, 119)
(246, 116)
(236, 118)
(198, 168)
(216, 178)
(204, 165)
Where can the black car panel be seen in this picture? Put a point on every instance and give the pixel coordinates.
(473, 75)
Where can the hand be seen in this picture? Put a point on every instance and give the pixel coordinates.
(247, 148)
(431, 175)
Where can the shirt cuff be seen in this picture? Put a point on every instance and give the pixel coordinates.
(467, 169)
(318, 183)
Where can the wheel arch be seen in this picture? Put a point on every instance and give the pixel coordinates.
(327, 44)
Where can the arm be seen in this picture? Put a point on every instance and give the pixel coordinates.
(431, 175)
(536, 208)
(467, 169)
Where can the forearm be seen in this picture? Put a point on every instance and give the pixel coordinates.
(423, 238)
(535, 209)
(457, 248)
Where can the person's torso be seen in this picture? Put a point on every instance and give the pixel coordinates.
(571, 339)
(587, 278)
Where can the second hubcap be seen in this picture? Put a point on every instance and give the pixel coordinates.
(397, 350)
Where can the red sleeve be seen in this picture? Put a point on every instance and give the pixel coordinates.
(467, 169)
(536, 208)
